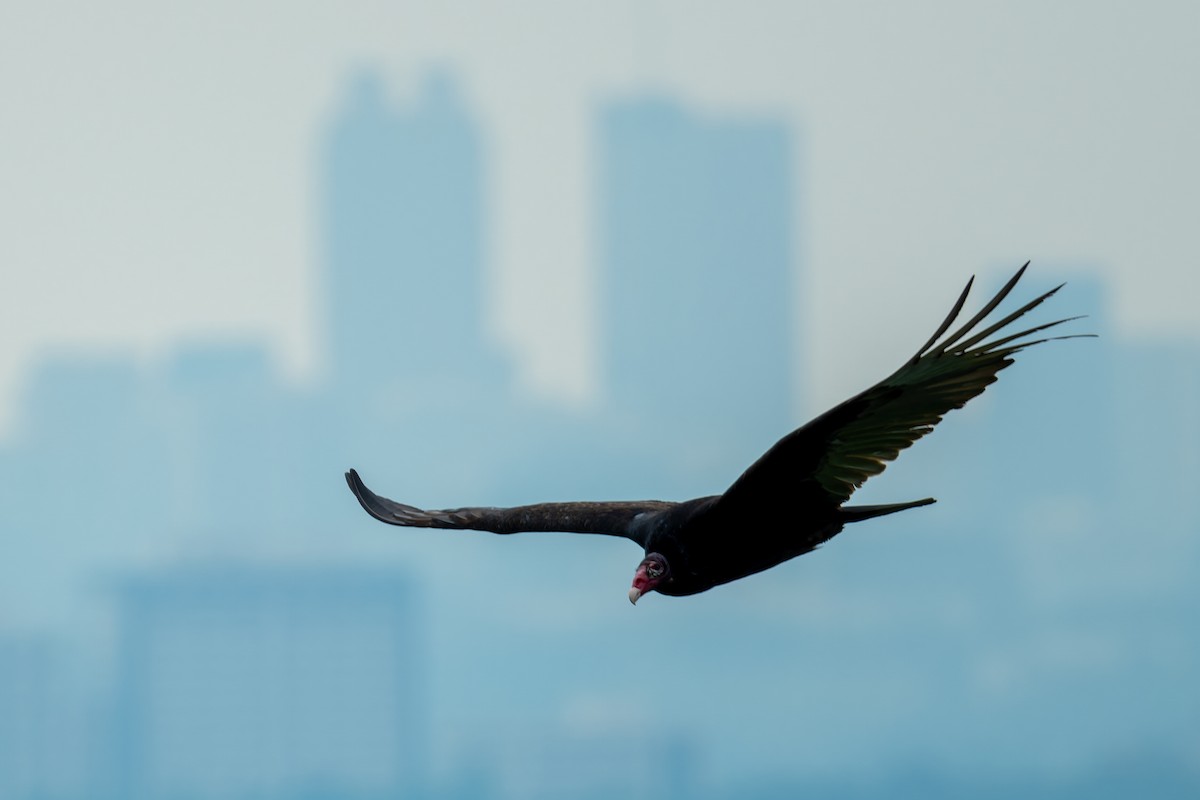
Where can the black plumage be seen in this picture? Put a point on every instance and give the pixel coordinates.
(792, 498)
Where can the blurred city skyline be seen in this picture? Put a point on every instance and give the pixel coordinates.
(164, 507)
(210, 454)
(938, 140)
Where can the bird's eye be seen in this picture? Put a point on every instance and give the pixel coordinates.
(653, 570)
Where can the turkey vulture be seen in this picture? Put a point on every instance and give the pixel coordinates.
(791, 499)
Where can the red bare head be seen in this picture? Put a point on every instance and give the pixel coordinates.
(653, 570)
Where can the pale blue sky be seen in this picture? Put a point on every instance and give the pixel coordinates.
(157, 160)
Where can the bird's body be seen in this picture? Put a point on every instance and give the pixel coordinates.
(793, 498)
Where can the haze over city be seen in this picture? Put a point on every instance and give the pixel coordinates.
(494, 255)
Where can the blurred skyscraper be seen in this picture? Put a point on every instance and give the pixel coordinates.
(404, 240)
(1159, 435)
(270, 682)
(403, 260)
(243, 444)
(697, 274)
(1061, 394)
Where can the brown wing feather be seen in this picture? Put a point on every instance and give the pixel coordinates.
(611, 519)
(824, 461)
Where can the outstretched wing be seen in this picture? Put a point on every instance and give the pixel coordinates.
(824, 461)
(611, 519)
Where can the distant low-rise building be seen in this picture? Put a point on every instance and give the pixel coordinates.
(268, 682)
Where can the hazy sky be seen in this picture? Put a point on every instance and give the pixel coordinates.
(158, 182)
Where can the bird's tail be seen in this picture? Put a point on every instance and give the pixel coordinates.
(859, 513)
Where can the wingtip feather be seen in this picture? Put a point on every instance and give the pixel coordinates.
(948, 321)
(953, 339)
(370, 501)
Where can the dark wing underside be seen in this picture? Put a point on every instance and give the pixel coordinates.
(610, 519)
(823, 462)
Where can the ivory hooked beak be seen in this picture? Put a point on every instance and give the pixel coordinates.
(634, 594)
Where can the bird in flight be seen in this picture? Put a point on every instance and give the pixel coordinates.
(792, 499)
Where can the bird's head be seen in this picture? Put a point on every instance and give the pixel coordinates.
(653, 570)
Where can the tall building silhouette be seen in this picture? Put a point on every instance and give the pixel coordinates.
(696, 265)
(269, 682)
(403, 219)
(1158, 392)
(1061, 395)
